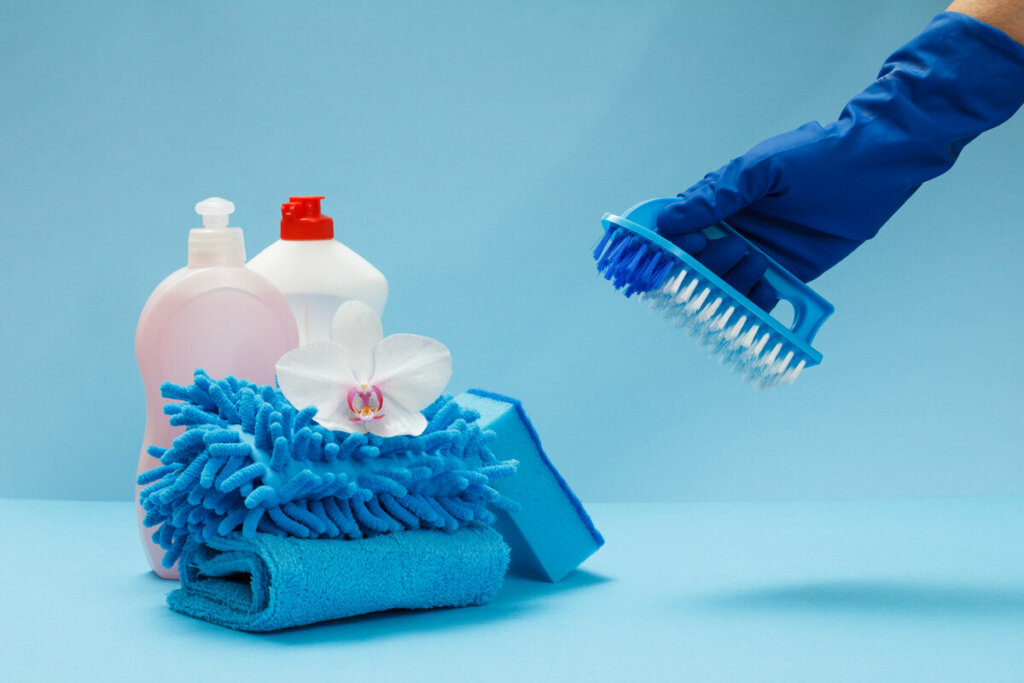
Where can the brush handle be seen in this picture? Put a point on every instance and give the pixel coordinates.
(810, 309)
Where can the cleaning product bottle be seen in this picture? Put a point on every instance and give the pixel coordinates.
(214, 314)
(316, 272)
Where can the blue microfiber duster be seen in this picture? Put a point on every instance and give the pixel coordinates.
(267, 582)
(250, 462)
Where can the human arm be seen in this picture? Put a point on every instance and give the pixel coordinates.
(809, 197)
(1005, 15)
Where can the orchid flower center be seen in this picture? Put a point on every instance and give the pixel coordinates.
(366, 402)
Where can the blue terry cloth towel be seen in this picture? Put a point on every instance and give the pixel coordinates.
(271, 582)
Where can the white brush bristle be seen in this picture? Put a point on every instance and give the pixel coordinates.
(738, 340)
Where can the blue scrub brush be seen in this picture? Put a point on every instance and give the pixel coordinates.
(250, 462)
(637, 260)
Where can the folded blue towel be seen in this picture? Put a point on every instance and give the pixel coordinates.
(269, 582)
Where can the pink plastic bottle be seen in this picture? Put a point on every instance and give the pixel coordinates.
(214, 314)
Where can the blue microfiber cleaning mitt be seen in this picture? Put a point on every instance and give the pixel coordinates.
(267, 582)
(250, 462)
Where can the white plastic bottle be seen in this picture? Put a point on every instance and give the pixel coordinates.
(214, 314)
(316, 272)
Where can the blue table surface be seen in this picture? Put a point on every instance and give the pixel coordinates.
(925, 589)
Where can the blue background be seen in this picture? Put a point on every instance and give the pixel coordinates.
(468, 150)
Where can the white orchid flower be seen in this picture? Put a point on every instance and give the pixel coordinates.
(361, 381)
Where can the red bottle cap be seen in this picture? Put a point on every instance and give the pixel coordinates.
(301, 220)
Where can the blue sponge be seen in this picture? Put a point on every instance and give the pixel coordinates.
(551, 534)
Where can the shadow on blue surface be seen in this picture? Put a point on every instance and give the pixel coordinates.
(518, 596)
(877, 597)
(520, 589)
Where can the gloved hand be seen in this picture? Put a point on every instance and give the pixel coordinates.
(809, 197)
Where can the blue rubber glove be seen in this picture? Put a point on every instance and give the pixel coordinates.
(811, 196)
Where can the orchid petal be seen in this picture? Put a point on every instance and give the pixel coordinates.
(411, 370)
(316, 374)
(357, 327)
(397, 420)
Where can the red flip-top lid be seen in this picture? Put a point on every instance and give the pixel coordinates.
(301, 220)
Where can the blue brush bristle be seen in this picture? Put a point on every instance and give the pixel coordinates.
(637, 260)
(631, 262)
(636, 266)
(250, 462)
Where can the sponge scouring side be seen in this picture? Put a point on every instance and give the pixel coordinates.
(551, 534)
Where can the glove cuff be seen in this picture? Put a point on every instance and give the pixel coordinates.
(956, 79)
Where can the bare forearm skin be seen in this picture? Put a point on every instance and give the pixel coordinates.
(1005, 15)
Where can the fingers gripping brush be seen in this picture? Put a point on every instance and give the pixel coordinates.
(250, 462)
(766, 352)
